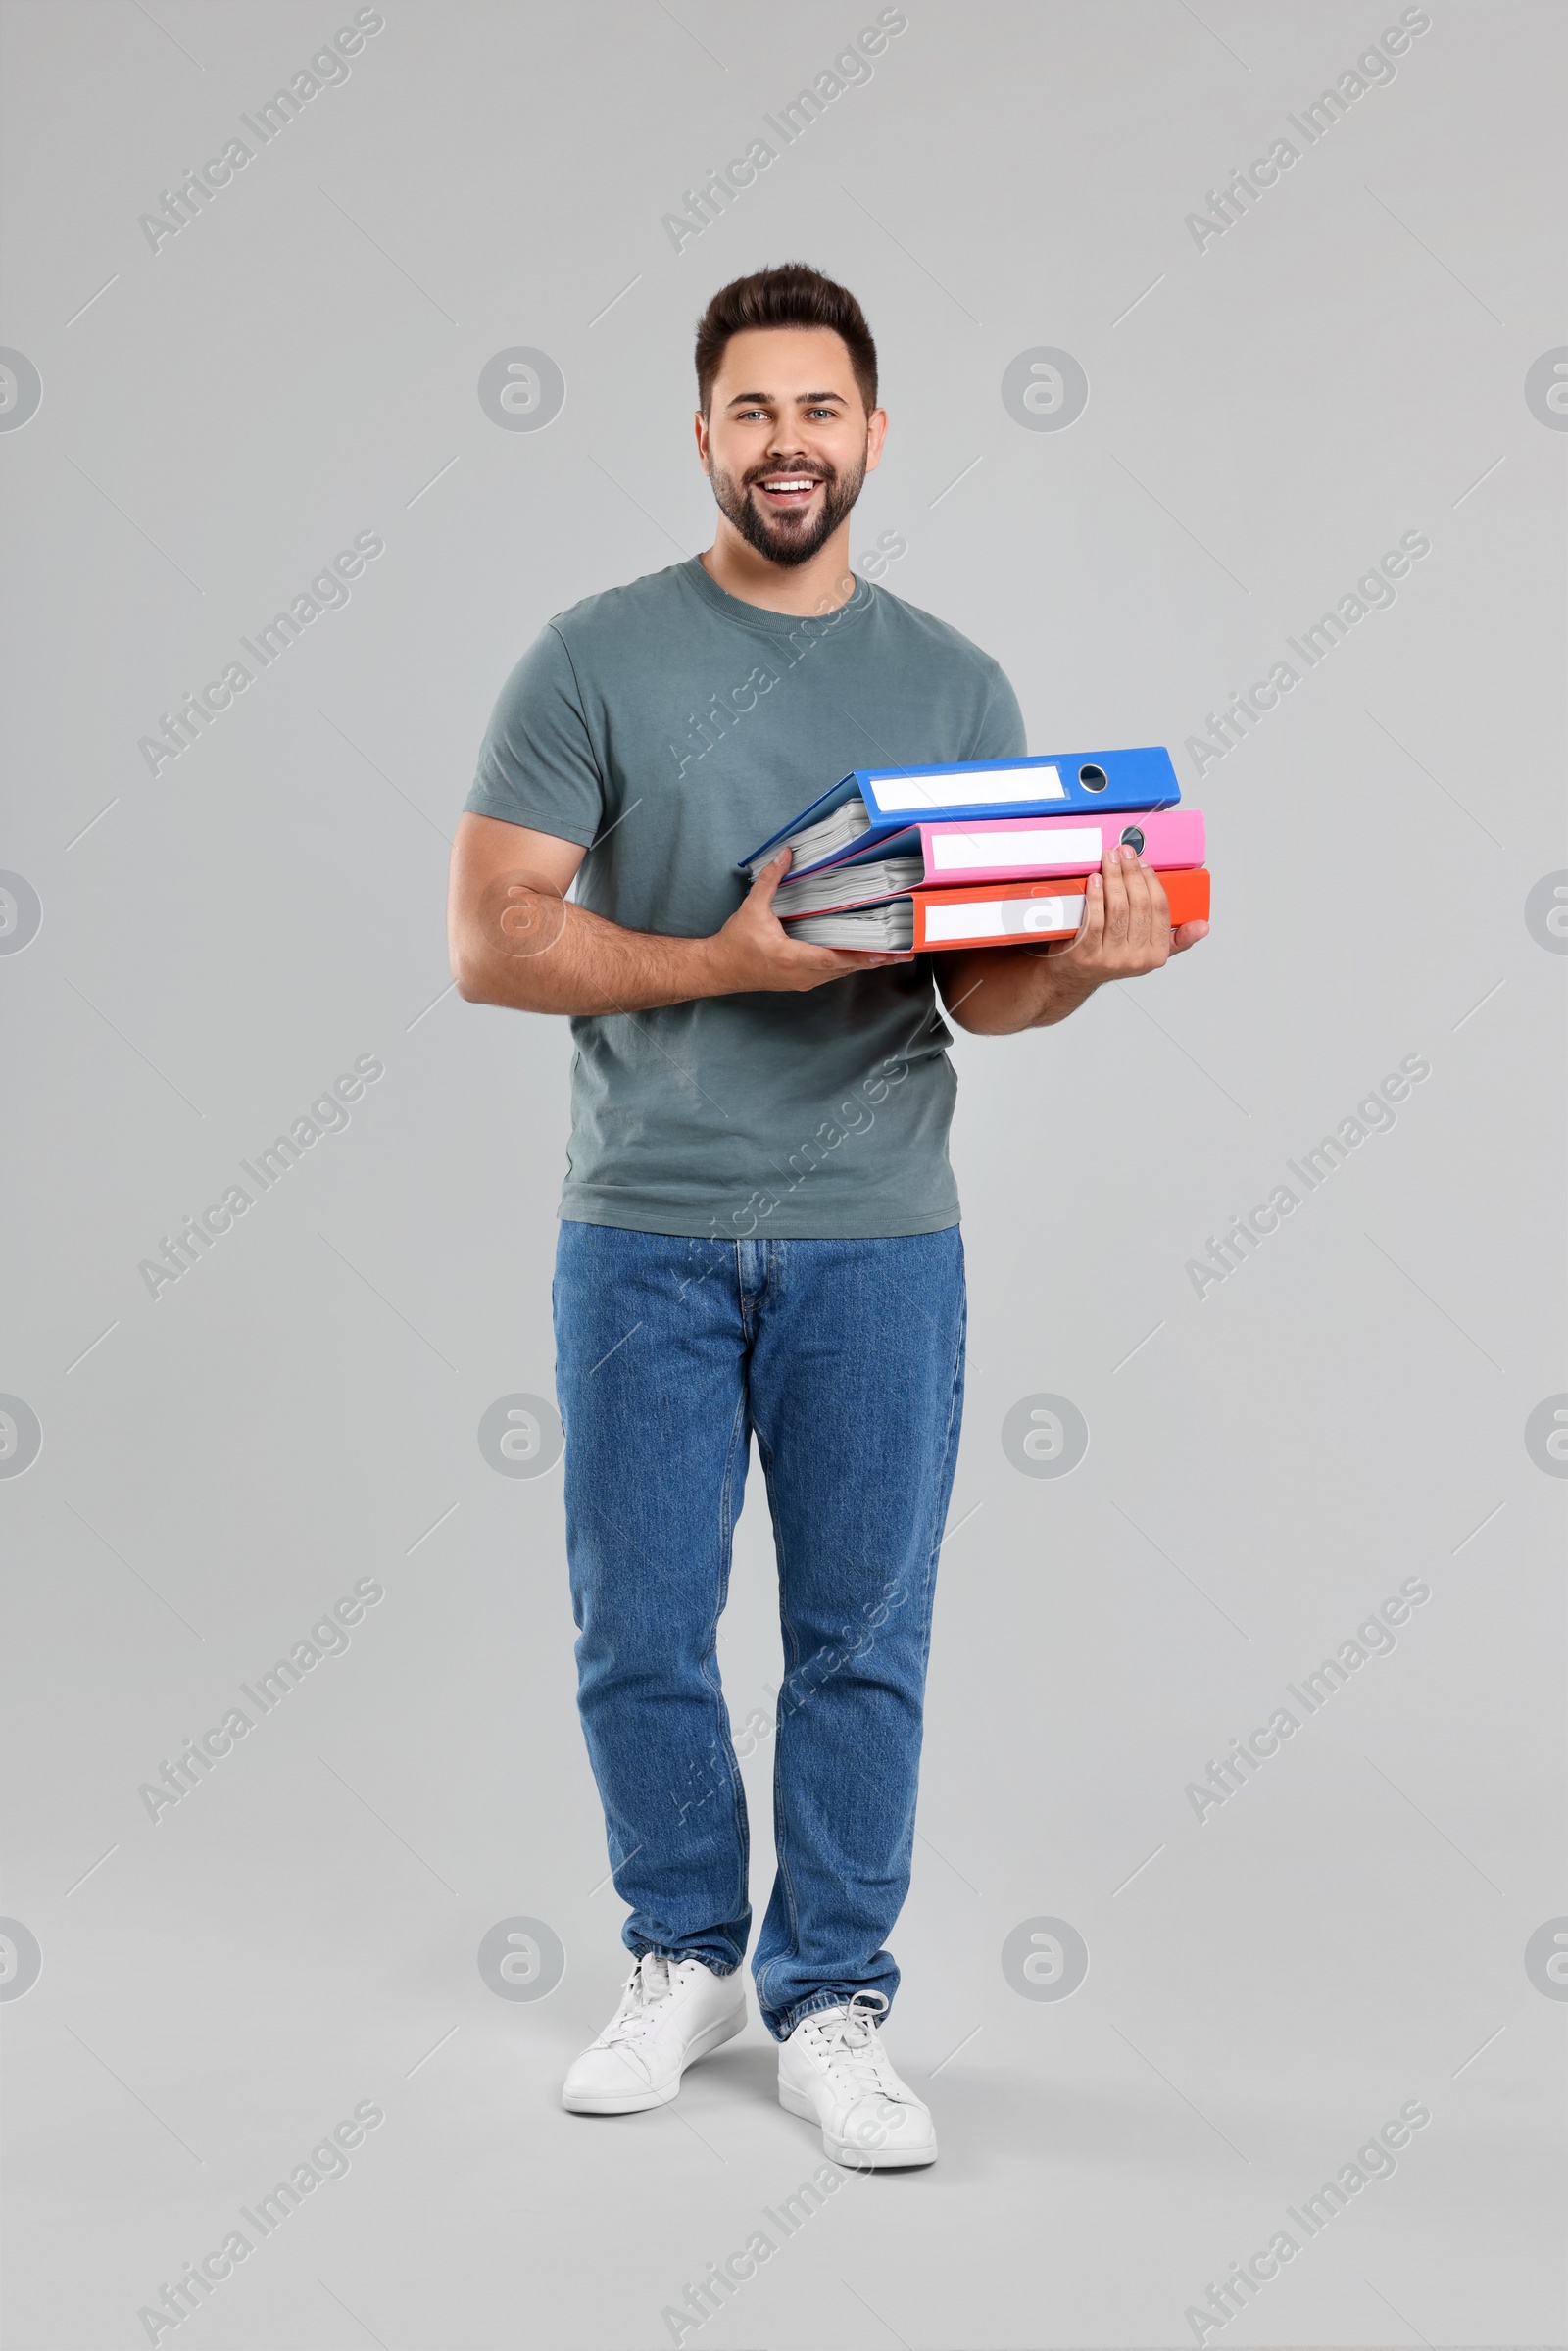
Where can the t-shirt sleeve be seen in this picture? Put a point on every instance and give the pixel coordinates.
(1001, 734)
(536, 764)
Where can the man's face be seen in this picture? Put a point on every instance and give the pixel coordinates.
(787, 442)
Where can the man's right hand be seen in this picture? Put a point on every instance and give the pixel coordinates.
(515, 940)
(754, 950)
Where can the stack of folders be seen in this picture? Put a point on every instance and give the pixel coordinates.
(990, 853)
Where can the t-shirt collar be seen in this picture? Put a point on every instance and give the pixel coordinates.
(769, 624)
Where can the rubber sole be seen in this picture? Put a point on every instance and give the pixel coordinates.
(841, 2150)
(639, 2101)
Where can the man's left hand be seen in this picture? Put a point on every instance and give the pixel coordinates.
(1126, 928)
(1125, 932)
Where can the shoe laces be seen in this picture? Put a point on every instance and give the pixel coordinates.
(649, 1990)
(848, 2042)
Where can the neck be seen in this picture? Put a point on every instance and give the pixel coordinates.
(818, 586)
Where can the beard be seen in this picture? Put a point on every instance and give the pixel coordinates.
(782, 537)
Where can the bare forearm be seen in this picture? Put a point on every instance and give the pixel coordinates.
(517, 941)
(996, 991)
(574, 961)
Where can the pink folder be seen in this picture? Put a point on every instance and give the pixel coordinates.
(944, 853)
(1017, 848)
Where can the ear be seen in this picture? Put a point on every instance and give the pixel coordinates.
(700, 424)
(876, 432)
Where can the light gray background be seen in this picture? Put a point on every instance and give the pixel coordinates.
(1264, 419)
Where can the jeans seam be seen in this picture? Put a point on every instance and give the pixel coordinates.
(792, 1650)
(737, 1794)
(945, 1491)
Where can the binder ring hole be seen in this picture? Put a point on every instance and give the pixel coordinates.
(1092, 779)
(1132, 838)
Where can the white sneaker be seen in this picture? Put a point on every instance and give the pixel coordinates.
(833, 2069)
(671, 2012)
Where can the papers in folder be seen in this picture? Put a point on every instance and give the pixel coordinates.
(887, 929)
(855, 885)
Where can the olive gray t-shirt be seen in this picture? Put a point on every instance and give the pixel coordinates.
(670, 728)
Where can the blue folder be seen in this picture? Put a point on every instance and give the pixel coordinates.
(1056, 784)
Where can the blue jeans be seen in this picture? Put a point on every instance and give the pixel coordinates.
(846, 1358)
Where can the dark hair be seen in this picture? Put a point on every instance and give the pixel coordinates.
(795, 295)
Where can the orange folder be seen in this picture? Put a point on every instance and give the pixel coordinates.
(1014, 914)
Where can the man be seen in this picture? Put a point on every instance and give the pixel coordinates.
(760, 1229)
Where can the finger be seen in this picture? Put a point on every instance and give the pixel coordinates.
(773, 874)
(1135, 881)
(1186, 935)
(1088, 936)
(1156, 915)
(1115, 887)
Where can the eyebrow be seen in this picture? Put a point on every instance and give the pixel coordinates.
(744, 399)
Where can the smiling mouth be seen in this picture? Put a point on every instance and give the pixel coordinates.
(784, 491)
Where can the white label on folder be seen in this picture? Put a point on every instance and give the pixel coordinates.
(1059, 846)
(897, 792)
(1002, 917)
